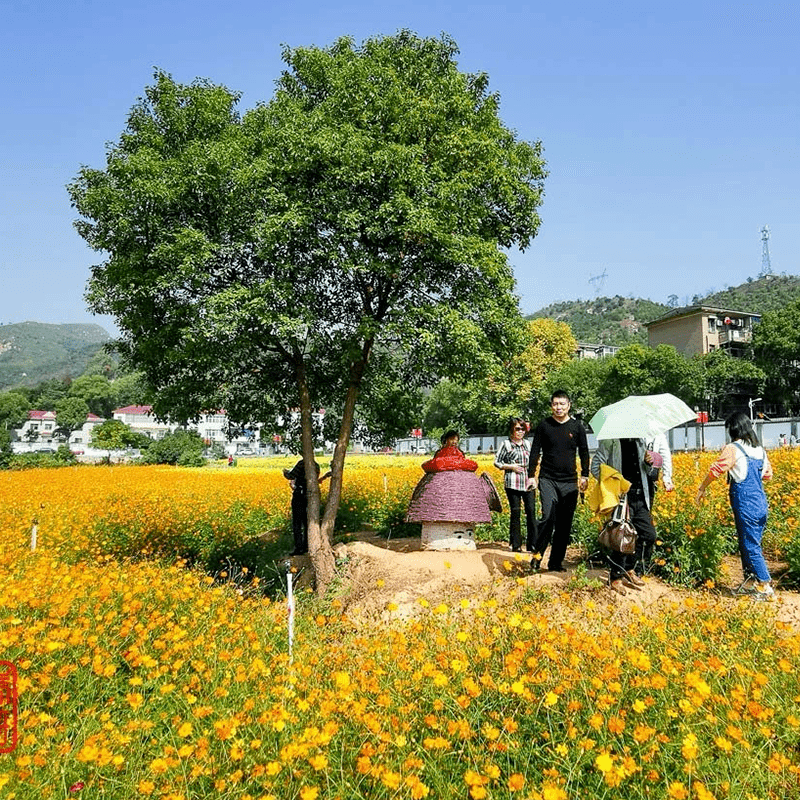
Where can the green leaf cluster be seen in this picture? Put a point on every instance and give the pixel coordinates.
(342, 243)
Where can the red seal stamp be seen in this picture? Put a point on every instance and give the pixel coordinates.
(8, 707)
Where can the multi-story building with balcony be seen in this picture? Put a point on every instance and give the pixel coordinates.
(703, 329)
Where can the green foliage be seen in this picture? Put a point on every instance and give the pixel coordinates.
(6, 453)
(635, 369)
(71, 413)
(217, 450)
(32, 352)
(47, 394)
(585, 382)
(182, 448)
(689, 551)
(776, 346)
(230, 542)
(463, 407)
(494, 531)
(97, 392)
(113, 434)
(14, 407)
(791, 553)
(63, 457)
(726, 381)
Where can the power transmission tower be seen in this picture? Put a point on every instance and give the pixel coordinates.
(597, 282)
(766, 267)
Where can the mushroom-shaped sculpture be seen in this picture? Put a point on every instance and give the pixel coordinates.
(450, 500)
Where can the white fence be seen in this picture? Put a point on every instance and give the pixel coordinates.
(708, 436)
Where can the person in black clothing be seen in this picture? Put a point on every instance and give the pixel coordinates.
(557, 439)
(297, 480)
(631, 458)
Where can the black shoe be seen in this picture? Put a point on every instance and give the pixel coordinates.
(516, 549)
(556, 569)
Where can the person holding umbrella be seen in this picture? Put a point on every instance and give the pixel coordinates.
(622, 430)
(631, 458)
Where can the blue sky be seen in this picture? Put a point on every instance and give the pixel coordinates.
(670, 129)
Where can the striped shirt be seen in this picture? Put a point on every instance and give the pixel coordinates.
(511, 452)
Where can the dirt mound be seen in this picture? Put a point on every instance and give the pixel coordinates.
(391, 579)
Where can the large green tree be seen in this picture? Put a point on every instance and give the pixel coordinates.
(71, 413)
(510, 389)
(725, 383)
(113, 434)
(97, 392)
(261, 261)
(776, 347)
(14, 407)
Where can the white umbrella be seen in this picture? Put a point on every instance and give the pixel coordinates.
(640, 417)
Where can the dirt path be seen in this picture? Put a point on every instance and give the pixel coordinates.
(390, 578)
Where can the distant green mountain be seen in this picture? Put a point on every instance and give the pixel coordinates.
(607, 320)
(621, 320)
(31, 352)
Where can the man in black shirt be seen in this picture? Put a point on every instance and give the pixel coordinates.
(557, 439)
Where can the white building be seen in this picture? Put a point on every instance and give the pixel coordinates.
(39, 427)
(212, 427)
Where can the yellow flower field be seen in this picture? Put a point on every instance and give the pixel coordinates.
(142, 678)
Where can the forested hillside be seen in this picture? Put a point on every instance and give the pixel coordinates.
(770, 293)
(31, 352)
(621, 320)
(610, 320)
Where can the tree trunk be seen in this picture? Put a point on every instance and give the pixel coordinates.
(320, 536)
(319, 546)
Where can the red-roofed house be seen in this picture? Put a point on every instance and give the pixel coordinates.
(212, 427)
(81, 438)
(39, 427)
(142, 420)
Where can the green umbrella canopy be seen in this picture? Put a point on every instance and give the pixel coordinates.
(640, 417)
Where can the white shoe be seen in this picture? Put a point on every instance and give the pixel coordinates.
(763, 592)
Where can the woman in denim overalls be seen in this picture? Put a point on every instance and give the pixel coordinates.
(746, 463)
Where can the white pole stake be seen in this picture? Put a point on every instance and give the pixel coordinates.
(290, 604)
(34, 531)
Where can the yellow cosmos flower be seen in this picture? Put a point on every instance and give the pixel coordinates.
(678, 791)
(604, 763)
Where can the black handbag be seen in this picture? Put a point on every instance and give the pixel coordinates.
(618, 534)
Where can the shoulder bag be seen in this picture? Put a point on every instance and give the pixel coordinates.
(618, 534)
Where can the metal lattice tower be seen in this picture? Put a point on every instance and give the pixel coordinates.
(766, 267)
(597, 281)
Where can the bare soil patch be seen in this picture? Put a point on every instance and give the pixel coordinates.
(390, 579)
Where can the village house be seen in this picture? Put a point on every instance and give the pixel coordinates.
(702, 329)
(39, 427)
